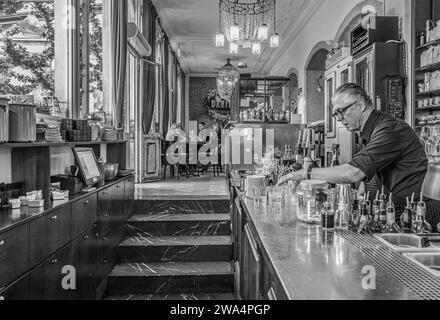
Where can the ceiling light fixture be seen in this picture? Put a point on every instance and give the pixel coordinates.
(228, 76)
(246, 23)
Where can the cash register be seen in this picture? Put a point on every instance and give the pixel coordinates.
(88, 167)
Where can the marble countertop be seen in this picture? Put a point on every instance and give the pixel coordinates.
(11, 218)
(313, 265)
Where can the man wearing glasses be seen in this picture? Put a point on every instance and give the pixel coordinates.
(393, 152)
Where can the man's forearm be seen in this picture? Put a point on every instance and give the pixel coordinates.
(339, 174)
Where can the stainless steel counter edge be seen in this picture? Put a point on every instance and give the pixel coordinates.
(311, 266)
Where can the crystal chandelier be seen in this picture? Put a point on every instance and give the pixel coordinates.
(247, 23)
(228, 76)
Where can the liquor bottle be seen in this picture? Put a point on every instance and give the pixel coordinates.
(356, 213)
(406, 218)
(391, 225)
(375, 224)
(364, 219)
(383, 207)
(420, 225)
(328, 217)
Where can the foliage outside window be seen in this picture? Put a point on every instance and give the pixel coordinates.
(27, 50)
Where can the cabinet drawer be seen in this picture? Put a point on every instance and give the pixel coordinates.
(106, 216)
(46, 279)
(48, 234)
(14, 254)
(85, 261)
(17, 291)
(83, 215)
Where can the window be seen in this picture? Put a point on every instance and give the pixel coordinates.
(27, 50)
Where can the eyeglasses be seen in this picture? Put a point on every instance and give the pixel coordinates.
(339, 114)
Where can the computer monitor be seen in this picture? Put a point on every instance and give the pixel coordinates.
(88, 165)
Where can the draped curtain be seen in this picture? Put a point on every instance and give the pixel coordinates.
(149, 94)
(118, 59)
(175, 92)
(182, 95)
(165, 87)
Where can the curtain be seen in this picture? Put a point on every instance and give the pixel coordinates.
(118, 60)
(149, 94)
(175, 91)
(182, 96)
(165, 87)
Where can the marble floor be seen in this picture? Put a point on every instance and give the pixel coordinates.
(194, 188)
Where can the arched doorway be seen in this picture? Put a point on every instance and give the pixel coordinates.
(291, 91)
(314, 80)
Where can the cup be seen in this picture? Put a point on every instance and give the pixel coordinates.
(290, 193)
(260, 196)
(275, 196)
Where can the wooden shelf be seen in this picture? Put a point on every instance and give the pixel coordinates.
(57, 144)
(428, 93)
(430, 67)
(428, 108)
(426, 45)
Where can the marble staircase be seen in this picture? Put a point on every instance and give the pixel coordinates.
(175, 249)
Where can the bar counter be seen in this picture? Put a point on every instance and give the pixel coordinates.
(311, 264)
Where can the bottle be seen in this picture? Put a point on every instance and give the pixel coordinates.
(356, 213)
(364, 219)
(328, 217)
(406, 218)
(383, 207)
(420, 225)
(391, 225)
(375, 225)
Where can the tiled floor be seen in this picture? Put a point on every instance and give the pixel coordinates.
(195, 188)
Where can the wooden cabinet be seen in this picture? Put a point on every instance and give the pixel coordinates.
(14, 254)
(46, 279)
(48, 234)
(83, 215)
(19, 290)
(111, 207)
(250, 267)
(129, 198)
(85, 262)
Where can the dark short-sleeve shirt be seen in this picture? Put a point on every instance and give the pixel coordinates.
(393, 153)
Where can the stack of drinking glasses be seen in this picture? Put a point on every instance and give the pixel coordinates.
(430, 136)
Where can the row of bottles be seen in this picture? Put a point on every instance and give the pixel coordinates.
(380, 216)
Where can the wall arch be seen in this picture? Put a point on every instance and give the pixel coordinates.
(314, 76)
(291, 90)
(353, 19)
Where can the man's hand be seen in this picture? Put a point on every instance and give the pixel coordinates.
(294, 176)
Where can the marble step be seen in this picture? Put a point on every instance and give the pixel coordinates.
(171, 278)
(175, 297)
(180, 225)
(181, 206)
(176, 249)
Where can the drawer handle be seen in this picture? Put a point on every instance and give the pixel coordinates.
(105, 238)
(86, 202)
(54, 218)
(105, 261)
(2, 243)
(54, 261)
(105, 193)
(86, 237)
(105, 215)
(118, 186)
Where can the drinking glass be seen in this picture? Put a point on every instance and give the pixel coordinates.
(290, 193)
(260, 196)
(344, 206)
(276, 196)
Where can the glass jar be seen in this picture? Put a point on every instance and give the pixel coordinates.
(311, 198)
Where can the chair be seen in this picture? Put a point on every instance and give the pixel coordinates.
(165, 164)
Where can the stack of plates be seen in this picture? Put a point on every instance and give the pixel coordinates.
(53, 134)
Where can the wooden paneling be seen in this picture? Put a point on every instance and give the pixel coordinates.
(32, 167)
(48, 234)
(14, 254)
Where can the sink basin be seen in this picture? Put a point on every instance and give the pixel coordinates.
(406, 242)
(430, 261)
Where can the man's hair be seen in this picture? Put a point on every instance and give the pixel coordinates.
(355, 90)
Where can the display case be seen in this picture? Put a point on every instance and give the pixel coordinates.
(260, 100)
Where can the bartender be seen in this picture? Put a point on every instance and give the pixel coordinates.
(392, 152)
